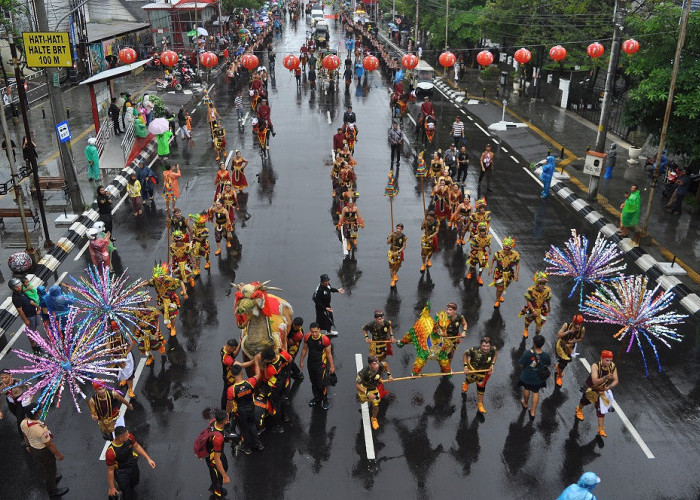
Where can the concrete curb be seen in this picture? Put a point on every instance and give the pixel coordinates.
(75, 234)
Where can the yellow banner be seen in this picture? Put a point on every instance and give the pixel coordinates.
(47, 50)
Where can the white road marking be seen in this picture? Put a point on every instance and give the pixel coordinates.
(464, 113)
(514, 159)
(484, 131)
(504, 149)
(493, 233)
(411, 118)
(245, 118)
(328, 115)
(533, 176)
(625, 421)
(120, 203)
(228, 159)
(470, 118)
(61, 278)
(456, 106)
(366, 425)
(122, 409)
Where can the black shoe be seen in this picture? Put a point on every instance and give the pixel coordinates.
(58, 478)
(278, 429)
(325, 405)
(313, 402)
(299, 377)
(246, 450)
(260, 447)
(224, 492)
(274, 134)
(58, 492)
(284, 419)
(112, 240)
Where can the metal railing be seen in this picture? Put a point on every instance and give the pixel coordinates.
(104, 134)
(128, 140)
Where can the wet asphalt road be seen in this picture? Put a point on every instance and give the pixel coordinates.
(432, 443)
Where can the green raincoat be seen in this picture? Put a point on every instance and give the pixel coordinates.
(164, 143)
(631, 210)
(93, 158)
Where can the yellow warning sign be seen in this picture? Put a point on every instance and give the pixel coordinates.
(47, 50)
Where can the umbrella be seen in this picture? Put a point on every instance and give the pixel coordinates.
(202, 31)
(192, 33)
(158, 126)
(393, 26)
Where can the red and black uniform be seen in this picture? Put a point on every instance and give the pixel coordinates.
(277, 378)
(241, 393)
(317, 365)
(227, 361)
(294, 339)
(126, 469)
(215, 444)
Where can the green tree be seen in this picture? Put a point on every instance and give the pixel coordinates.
(232, 5)
(650, 73)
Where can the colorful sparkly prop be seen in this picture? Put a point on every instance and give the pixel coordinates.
(391, 188)
(629, 303)
(73, 355)
(19, 262)
(603, 264)
(105, 297)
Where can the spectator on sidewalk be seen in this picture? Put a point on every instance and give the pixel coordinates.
(675, 204)
(610, 161)
(92, 155)
(182, 117)
(28, 150)
(163, 141)
(104, 209)
(148, 106)
(26, 308)
(147, 178)
(629, 217)
(547, 174)
(113, 113)
(128, 118)
(134, 190)
(486, 162)
(458, 131)
(396, 142)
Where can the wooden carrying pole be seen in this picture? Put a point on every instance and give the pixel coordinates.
(438, 374)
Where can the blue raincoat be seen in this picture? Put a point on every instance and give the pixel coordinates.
(583, 489)
(547, 174)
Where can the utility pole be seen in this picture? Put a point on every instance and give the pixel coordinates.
(58, 111)
(607, 97)
(667, 114)
(415, 28)
(447, 10)
(28, 133)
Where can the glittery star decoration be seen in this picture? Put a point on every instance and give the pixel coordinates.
(72, 356)
(603, 264)
(105, 297)
(640, 312)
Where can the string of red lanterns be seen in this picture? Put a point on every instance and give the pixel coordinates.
(250, 62)
(447, 59)
(168, 58)
(595, 50)
(523, 56)
(331, 62)
(291, 62)
(208, 59)
(630, 46)
(484, 58)
(409, 61)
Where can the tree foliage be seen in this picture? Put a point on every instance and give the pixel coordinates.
(231, 5)
(650, 71)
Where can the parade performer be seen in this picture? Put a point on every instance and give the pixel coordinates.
(568, 336)
(460, 219)
(382, 336)
(219, 135)
(440, 197)
(264, 116)
(275, 373)
(455, 198)
(602, 379)
(147, 332)
(537, 304)
(457, 326)
(228, 358)
(222, 225)
(238, 165)
(230, 201)
(222, 176)
(479, 252)
(104, 408)
(479, 359)
(367, 384)
(428, 335)
(426, 251)
(166, 287)
(122, 467)
(319, 349)
(480, 215)
(200, 242)
(171, 186)
(397, 244)
(98, 247)
(178, 222)
(350, 220)
(294, 339)
(430, 227)
(436, 165)
(505, 267)
(181, 258)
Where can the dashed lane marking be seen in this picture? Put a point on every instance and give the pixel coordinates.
(328, 115)
(366, 425)
(470, 118)
(504, 149)
(514, 159)
(527, 170)
(482, 129)
(625, 421)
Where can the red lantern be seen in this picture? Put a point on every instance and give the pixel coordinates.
(370, 63)
(485, 58)
(249, 62)
(409, 61)
(208, 60)
(331, 62)
(168, 58)
(127, 55)
(558, 53)
(630, 46)
(523, 56)
(447, 59)
(291, 62)
(595, 50)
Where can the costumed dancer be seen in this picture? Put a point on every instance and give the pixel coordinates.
(460, 219)
(294, 339)
(367, 384)
(397, 245)
(320, 352)
(455, 197)
(350, 220)
(481, 359)
(222, 225)
(430, 227)
(537, 306)
(148, 334)
(222, 176)
(181, 258)
(382, 336)
(200, 242)
(568, 336)
(428, 336)
(275, 374)
(98, 247)
(457, 326)
(171, 185)
(178, 222)
(238, 165)
(228, 358)
(167, 301)
(479, 252)
(480, 215)
(602, 379)
(505, 267)
(104, 407)
(440, 197)
(219, 141)
(230, 202)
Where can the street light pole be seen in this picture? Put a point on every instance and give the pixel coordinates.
(28, 133)
(415, 27)
(607, 97)
(447, 10)
(667, 114)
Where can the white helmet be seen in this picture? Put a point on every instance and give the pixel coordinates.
(251, 92)
(99, 225)
(254, 121)
(91, 233)
(92, 141)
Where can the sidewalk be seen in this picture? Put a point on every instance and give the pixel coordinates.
(551, 128)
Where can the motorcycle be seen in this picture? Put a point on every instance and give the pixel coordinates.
(169, 82)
